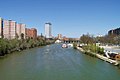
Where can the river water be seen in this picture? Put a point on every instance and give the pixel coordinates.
(55, 63)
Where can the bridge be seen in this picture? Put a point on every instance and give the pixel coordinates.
(71, 40)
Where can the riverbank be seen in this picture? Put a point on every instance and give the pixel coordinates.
(10, 46)
(114, 62)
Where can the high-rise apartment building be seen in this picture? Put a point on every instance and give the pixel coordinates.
(9, 30)
(20, 30)
(31, 33)
(48, 30)
(1, 28)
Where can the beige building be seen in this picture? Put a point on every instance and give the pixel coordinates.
(1, 27)
(59, 36)
(9, 30)
(20, 29)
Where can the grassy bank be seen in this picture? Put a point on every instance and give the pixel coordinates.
(93, 49)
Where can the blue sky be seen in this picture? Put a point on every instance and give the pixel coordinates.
(71, 18)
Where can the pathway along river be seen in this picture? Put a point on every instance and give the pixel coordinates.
(55, 63)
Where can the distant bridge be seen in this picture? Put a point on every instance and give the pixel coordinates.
(71, 40)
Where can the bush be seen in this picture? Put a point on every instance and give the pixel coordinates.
(94, 48)
(74, 45)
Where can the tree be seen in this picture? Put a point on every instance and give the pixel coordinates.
(87, 39)
(74, 45)
(2, 47)
(117, 40)
(22, 36)
(16, 36)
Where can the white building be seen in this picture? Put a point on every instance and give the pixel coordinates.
(20, 29)
(48, 30)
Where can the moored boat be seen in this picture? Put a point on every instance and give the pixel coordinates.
(64, 46)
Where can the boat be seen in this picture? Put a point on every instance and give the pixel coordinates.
(64, 46)
(57, 41)
(70, 45)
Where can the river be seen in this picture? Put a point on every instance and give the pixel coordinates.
(55, 63)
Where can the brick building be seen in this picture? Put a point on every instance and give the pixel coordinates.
(31, 33)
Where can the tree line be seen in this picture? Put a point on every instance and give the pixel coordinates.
(90, 42)
(106, 39)
(9, 46)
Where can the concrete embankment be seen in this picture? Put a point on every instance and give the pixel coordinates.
(107, 59)
(114, 62)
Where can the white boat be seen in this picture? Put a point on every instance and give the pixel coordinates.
(64, 46)
(57, 41)
(70, 45)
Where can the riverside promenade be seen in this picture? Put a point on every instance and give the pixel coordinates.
(114, 62)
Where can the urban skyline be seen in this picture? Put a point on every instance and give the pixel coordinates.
(71, 18)
(10, 29)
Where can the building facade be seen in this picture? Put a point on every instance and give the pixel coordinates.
(20, 30)
(1, 28)
(48, 30)
(114, 32)
(9, 30)
(59, 36)
(31, 33)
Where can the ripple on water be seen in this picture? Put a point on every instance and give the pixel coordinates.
(55, 63)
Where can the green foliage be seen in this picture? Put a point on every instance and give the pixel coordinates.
(22, 36)
(100, 50)
(87, 39)
(74, 45)
(3, 47)
(93, 48)
(8, 46)
(109, 39)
